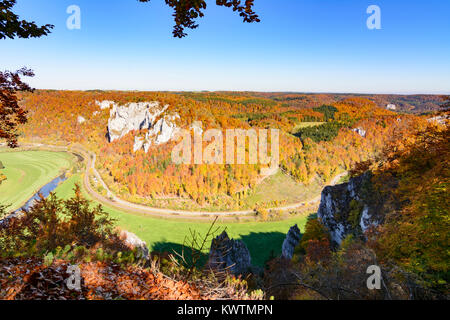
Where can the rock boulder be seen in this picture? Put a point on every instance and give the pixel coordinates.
(360, 131)
(81, 120)
(292, 240)
(104, 104)
(133, 242)
(229, 255)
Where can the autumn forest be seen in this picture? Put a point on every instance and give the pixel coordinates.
(137, 192)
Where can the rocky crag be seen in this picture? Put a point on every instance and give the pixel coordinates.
(151, 116)
(229, 255)
(360, 131)
(350, 208)
(133, 242)
(292, 240)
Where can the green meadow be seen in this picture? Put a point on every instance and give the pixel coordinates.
(27, 172)
(263, 239)
(282, 188)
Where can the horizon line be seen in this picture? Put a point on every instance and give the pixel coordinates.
(259, 91)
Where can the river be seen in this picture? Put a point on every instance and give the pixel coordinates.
(44, 191)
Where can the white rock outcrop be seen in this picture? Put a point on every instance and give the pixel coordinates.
(133, 242)
(366, 220)
(347, 209)
(81, 120)
(106, 104)
(160, 124)
(138, 143)
(391, 107)
(165, 129)
(442, 120)
(228, 255)
(360, 131)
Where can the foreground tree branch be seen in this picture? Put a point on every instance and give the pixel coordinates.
(187, 11)
(11, 26)
(11, 114)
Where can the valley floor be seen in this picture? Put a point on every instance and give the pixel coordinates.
(263, 239)
(27, 172)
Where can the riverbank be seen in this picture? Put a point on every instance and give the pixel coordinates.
(27, 172)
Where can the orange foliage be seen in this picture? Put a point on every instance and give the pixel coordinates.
(53, 119)
(30, 279)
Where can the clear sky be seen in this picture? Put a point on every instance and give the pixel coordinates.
(300, 45)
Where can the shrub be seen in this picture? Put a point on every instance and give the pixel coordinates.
(53, 223)
(314, 231)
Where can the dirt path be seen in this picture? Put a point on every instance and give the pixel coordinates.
(115, 202)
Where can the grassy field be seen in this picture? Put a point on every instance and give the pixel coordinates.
(277, 190)
(282, 188)
(302, 125)
(27, 172)
(262, 238)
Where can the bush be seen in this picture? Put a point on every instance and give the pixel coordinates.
(314, 231)
(53, 223)
(262, 213)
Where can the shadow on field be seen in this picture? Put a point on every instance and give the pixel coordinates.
(262, 246)
(176, 249)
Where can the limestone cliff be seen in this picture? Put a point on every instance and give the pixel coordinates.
(160, 123)
(350, 208)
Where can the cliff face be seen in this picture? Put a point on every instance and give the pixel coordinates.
(350, 208)
(160, 124)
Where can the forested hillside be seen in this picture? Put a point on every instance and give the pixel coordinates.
(316, 143)
(403, 103)
(224, 195)
(405, 192)
(406, 183)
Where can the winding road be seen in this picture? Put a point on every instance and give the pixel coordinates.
(113, 201)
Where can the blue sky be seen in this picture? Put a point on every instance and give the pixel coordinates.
(300, 45)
